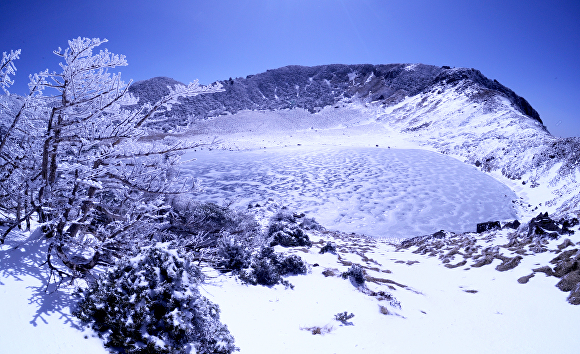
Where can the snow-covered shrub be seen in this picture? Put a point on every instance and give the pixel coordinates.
(285, 230)
(233, 254)
(356, 273)
(343, 317)
(311, 224)
(191, 217)
(329, 247)
(290, 237)
(268, 267)
(151, 304)
(285, 215)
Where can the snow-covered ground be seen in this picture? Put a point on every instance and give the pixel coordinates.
(380, 192)
(446, 306)
(443, 310)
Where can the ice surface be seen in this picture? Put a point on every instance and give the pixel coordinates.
(392, 193)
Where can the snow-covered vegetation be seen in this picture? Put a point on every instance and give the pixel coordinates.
(151, 304)
(105, 241)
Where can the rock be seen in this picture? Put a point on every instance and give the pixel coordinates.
(460, 264)
(570, 281)
(542, 225)
(545, 269)
(565, 244)
(512, 225)
(525, 279)
(508, 264)
(574, 297)
(487, 226)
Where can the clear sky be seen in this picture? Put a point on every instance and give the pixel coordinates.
(532, 47)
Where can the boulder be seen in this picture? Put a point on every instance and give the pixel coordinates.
(486, 226)
(512, 225)
(543, 226)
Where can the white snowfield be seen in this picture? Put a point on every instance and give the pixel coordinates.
(447, 303)
(379, 192)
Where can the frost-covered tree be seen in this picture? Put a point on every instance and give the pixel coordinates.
(80, 156)
(20, 126)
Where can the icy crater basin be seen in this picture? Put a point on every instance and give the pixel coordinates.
(383, 193)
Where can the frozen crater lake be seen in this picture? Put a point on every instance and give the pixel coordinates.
(390, 193)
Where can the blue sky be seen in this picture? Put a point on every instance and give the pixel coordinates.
(532, 47)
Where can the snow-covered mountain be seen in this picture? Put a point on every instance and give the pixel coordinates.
(314, 87)
(442, 292)
(456, 111)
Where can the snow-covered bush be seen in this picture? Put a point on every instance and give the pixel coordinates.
(233, 254)
(311, 224)
(286, 230)
(290, 237)
(151, 304)
(343, 317)
(268, 267)
(329, 247)
(191, 217)
(356, 273)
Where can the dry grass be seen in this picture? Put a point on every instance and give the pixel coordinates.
(318, 330)
(384, 310)
(330, 272)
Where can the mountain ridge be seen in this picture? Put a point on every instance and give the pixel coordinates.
(314, 87)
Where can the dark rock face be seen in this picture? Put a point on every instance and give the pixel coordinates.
(319, 86)
(486, 226)
(543, 225)
(512, 225)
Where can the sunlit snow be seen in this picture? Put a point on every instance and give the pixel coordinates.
(373, 191)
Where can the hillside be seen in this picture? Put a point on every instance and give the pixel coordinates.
(312, 88)
(456, 111)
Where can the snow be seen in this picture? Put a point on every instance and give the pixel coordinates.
(380, 192)
(437, 314)
(464, 309)
(31, 319)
